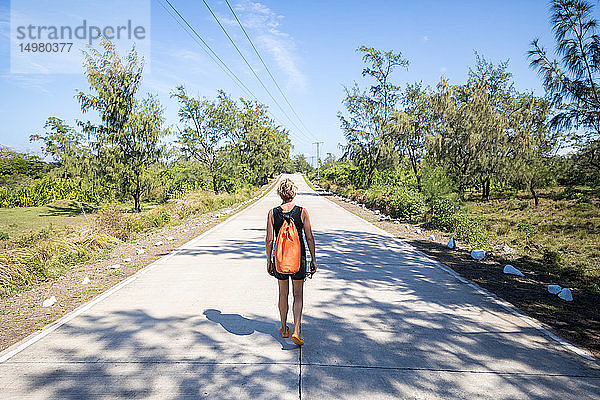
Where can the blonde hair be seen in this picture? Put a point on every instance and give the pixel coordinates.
(287, 190)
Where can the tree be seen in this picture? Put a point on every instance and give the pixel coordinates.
(366, 127)
(573, 82)
(410, 127)
(267, 151)
(473, 138)
(14, 167)
(300, 164)
(65, 145)
(126, 139)
(329, 160)
(453, 145)
(141, 145)
(531, 160)
(493, 82)
(206, 124)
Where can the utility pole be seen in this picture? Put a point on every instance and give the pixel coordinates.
(318, 143)
(312, 160)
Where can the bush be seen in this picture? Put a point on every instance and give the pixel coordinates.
(158, 217)
(443, 214)
(436, 184)
(343, 174)
(471, 231)
(46, 190)
(528, 229)
(406, 203)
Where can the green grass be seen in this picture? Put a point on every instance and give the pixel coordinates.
(58, 215)
(41, 243)
(560, 237)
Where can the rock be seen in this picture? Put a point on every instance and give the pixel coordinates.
(431, 237)
(396, 222)
(509, 269)
(85, 280)
(451, 243)
(554, 289)
(49, 302)
(376, 212)
(478, 254)
(418, 231)
(170, 238)
(505, 249)
(114, 266)
(159, 243)
(406, 226)
(126, 260)
(566, 294)
(140, 251)
(388, 218)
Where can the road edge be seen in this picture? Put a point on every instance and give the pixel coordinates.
(488, 295)
(24, 343)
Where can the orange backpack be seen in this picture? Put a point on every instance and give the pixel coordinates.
(287, 248)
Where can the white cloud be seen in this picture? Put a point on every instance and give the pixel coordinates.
(264, 27)
(426, 38)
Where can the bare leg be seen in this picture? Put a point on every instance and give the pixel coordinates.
(284, 290)
(298, 289)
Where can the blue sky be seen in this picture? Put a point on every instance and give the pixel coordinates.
(310, 46)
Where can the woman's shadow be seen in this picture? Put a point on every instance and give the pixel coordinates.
(238, 325)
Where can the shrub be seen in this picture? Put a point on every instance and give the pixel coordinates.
(471, 231)
(443, 214)
(528, 229)
(436, 184)
(48, 189)
(158, 217)
(406, 203)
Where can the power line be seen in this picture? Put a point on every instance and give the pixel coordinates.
(250, 67)
(267, 68)
(213, 55)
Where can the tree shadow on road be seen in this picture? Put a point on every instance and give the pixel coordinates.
(380, 322)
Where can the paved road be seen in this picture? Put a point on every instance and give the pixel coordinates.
(382, 321)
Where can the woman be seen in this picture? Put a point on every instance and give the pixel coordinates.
(287, 191)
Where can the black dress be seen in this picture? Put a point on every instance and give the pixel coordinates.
(278, 218)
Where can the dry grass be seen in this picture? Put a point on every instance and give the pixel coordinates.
(560, 237)
(40, 255)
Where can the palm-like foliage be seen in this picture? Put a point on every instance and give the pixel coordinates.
(573, 81)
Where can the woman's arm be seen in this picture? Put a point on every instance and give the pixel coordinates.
(310, 239)
(269, 242)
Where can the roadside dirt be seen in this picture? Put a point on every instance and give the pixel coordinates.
(23, 314)
(577, 321)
